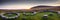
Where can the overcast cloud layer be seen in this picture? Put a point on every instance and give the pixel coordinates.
(25, 4)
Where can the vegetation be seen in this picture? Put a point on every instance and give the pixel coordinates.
(39, 16)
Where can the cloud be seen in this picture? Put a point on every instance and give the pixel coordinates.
(26, 4)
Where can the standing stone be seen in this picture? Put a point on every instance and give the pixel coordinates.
(9, 14)
(34, 12)
(45, 17)
(58, 12)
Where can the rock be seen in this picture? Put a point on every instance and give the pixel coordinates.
(45, 17)
(58, 12)
(10, 14)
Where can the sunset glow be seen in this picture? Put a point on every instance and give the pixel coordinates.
(29, 4)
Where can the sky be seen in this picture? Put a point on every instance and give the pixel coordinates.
(27, 4)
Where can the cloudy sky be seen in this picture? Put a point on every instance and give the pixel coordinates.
(26, 4)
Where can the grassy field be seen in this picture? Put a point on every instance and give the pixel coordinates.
(39, 16)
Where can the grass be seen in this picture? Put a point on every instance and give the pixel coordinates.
(39, 16)
(12, 15)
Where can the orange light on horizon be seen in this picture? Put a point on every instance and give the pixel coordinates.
(16, 7)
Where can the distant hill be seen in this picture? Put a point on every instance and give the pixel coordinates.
(44, 7)
(35, 8)
(41, 6)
